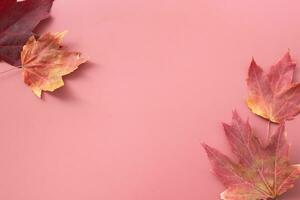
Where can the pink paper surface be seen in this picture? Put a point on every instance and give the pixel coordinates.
(163, 75)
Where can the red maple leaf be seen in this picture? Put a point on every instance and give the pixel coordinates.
(261, 172)
(17, 22)
(274, 95)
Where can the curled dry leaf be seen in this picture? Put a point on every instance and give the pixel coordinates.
(17, 21)
(274, 95)
(261, 172)
(44, 63)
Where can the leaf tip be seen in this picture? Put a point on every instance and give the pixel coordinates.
(37, 92)
(204, 145)
(207, 149)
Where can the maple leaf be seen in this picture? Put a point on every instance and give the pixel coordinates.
(261, 172)
(44, 63)
(274, 95)
(17, 21)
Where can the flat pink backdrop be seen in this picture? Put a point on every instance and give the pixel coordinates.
(162, 76)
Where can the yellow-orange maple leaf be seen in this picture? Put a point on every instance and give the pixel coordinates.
(44, 62)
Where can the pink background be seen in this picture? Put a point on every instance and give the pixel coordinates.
(128, 125)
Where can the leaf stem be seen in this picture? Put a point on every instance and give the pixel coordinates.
(3, 72)
(268, 131)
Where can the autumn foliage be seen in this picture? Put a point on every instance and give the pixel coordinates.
(18, 19)
(274, 95)
(44, 62)
(262, 171)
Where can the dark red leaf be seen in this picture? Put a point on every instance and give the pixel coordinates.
(17, 22)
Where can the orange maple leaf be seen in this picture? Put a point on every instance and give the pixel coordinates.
(44, 62)
(274, 95)
(262, 172)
